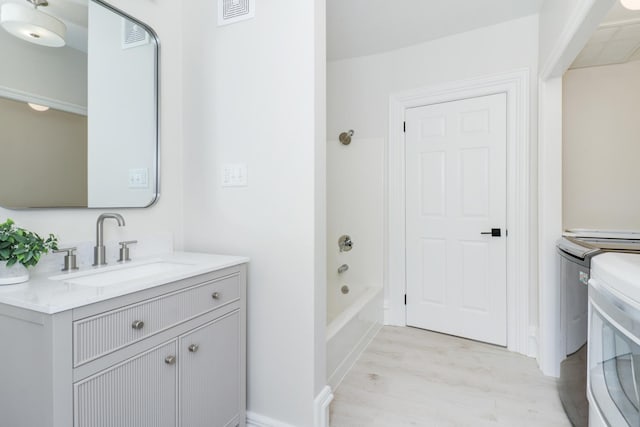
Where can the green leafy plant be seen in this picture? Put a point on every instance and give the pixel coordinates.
(18, 245)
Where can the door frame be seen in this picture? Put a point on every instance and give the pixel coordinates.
(580, 25)
(521, 337)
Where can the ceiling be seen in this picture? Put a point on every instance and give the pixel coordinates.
(616, 41)
(365, 27)
(74, 14)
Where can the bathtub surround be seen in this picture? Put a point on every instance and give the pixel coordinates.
(352, 325)
(355, 208)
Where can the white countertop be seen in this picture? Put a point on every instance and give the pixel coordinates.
(619, 272)
(53, 292)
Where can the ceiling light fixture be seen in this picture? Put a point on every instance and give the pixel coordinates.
(631, 4)
(31, 24)
(38, 107)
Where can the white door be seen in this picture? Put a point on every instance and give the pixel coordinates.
(455, 191)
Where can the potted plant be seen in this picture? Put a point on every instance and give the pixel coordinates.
(19, 249)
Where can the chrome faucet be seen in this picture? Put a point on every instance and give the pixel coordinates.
(99, 250)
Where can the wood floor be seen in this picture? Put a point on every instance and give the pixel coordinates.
(411, 377)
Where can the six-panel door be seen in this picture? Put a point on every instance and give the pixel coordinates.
(455, 196)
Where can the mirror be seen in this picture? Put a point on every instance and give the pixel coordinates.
(78, 122)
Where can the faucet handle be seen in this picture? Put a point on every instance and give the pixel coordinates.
(124, 250)
(69, 258)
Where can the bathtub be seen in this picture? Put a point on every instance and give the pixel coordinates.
(352, 321)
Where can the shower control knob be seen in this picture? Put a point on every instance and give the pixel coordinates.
(345, 243)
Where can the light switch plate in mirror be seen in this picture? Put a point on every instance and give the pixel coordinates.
(101, 128)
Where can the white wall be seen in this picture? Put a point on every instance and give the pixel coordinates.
(55, 73)
(166, 215)
(122, 116)
(253, 94)
(600, 147)
(359, 88)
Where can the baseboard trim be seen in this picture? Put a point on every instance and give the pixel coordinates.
(257, 420)
(321, 407)
(320, 413)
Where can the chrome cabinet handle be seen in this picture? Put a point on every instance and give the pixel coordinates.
(215, 295)
(170, 360)
(193, 348)
(137, 324)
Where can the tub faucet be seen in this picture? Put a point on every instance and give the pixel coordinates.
(99, 250)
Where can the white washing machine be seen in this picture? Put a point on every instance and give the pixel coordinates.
(578, 249)
(613, 380)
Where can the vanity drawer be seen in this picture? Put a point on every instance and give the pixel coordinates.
(98, 335)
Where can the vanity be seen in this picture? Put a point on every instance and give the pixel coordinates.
(151, 343)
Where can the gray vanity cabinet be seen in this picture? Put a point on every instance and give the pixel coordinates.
(140, 392)
(209, 378)
(169, 356)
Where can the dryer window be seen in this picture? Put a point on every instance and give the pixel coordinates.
(614, 371)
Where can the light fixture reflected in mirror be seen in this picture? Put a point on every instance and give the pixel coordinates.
(631, 4)
(31, 24)
(37, 107)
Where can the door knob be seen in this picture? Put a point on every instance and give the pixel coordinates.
(193, 348)
(170, 360)
(495, 232)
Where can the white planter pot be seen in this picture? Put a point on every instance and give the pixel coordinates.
(13, 275)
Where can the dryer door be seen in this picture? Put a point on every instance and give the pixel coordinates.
(614, 366)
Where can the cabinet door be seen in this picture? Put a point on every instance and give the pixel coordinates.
(140, 392)
(210, 374)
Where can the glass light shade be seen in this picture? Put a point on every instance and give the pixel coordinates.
(631, 4)
(30, 24)
(37, 107)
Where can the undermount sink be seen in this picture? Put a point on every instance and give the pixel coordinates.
(112, 275)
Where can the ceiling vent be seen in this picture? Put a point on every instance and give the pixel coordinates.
(133, 34)
(230, 11)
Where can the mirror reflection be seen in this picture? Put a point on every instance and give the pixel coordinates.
(78, 106)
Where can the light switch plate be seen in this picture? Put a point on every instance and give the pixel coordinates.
(234, 175)
(139, 178)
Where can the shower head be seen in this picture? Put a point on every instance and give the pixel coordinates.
(345, 137)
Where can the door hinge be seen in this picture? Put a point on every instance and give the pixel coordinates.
(404, 127)
(405, 299)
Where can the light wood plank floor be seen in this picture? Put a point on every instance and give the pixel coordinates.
(411, 377)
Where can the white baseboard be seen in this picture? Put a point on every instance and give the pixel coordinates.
(320, 413)
(532, 350)
(321, 407)
(257, 420)
(386, 310)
